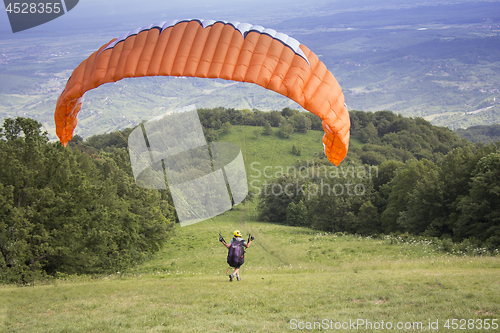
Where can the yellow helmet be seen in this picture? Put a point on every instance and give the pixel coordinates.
(237, 233)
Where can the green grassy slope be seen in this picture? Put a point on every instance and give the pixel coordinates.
(291, 276)
(270, 151)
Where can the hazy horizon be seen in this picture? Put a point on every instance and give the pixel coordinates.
(437, 60)
(89, 14)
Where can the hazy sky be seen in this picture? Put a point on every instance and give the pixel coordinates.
(133, 13)
(112, 11)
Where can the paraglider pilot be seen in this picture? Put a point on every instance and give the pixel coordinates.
(236, 252)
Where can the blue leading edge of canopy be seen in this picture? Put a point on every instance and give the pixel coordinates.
(243, 28)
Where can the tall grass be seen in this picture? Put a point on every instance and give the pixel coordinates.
(292, 276)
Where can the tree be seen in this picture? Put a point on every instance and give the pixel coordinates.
(401, 186)
(268, 130)
(274, 118)
(274, 198)
(211, 135)
(301, 123)
(296, 150)
(64, 211)
(369, 134)
(316, 122)
(23, 175)
(457, 169)
(285, 130)
(296, 214)
(227, 128)
(424, 207)
(372, 158)
(288, 113)
(367, 219)
(480, 210)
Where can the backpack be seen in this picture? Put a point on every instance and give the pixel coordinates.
(236, 253)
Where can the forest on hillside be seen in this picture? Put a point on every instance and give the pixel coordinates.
(482, 133)
(77, 209)
(65, 211)
(428, 181)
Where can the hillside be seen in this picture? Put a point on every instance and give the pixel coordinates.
(436, 61)
(291, 276)
(382, 187)
(395, 179)
(484, 134)
(403, 236)
(375, 138)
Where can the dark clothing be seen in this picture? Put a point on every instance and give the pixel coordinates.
(236, 255)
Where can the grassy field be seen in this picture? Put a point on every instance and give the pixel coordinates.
(262, 151)
(292, 278)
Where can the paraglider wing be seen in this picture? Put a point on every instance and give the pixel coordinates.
(214, 49)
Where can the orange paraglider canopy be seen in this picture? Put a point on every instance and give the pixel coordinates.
(214, 49)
